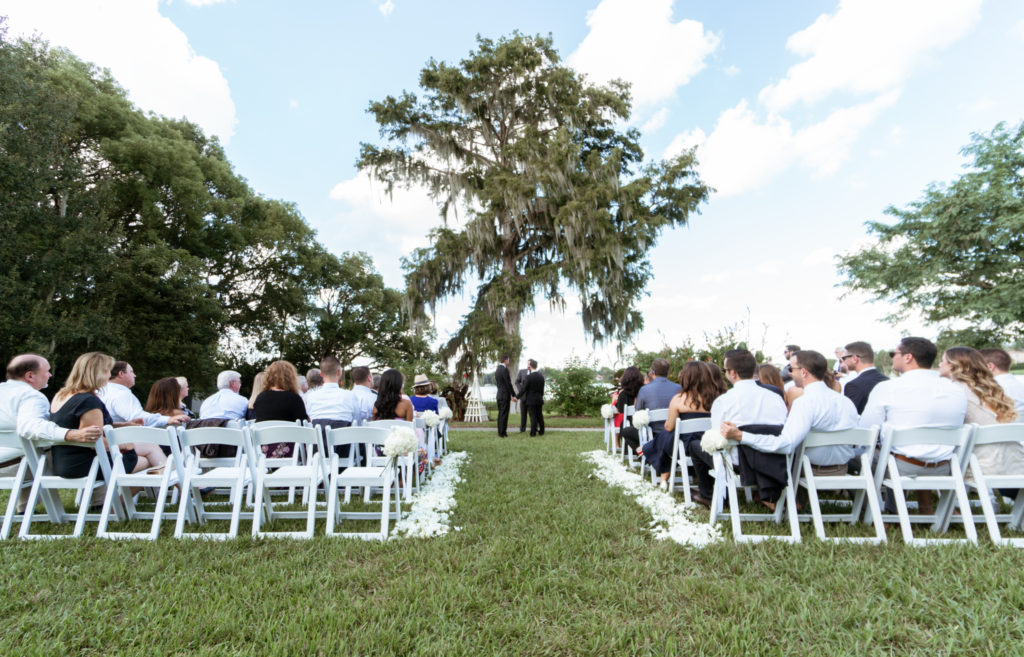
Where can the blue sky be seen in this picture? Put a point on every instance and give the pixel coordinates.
(809, 117)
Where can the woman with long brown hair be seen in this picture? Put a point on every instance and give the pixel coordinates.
(700, 388)
(280, 400)
(165, 397)
(987, 403)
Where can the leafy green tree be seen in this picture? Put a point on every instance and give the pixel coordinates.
(575, 390)
(955, 256)
(554, 194)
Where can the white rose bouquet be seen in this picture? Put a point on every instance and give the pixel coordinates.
(445, 413)
(607, 411)
(402, 440)
(713, 441)
(430, 418)
(641, 418)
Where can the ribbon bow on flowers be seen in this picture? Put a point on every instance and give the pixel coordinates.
(401, 440)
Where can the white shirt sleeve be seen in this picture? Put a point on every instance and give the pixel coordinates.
(874, 410)
(33, 423)
(797, 426)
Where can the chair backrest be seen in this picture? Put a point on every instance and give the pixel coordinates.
(10, 445)
(133, 434)
(956, 436)
(658, 414)
(233, 437)
(287, 433)
(627, 412)
(692, 426)
(856, 437)
(350, 435)
(999, 433)
(387, 424)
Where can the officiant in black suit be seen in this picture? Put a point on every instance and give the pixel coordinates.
(520, 386)
(503, 380)
(534, 395)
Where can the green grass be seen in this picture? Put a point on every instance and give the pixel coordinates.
(549, 561)
(552, 421)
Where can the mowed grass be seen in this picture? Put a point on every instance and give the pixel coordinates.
(549, 561)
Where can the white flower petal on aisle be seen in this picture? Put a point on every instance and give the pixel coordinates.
(432, 505)
(672, 519)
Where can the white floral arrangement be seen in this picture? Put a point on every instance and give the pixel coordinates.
(430, 418)
(641, 418)
(445, 413)
(713, 441)
(401, 440)
(607, 411)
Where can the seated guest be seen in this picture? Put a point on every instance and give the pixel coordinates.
(183, 392)
(280, 400)
(421, 399)
(124, 406)
(750, 408)
(919, 397)
(314, 378)
(768, 376)
(820, 408)
(226, 402)
(999, 363)
(77, 406)
(259, 384)
(860, 360)
(165, 398)
(987, 403)
(788, 353)
(328, 401)
(359, 405)
(390, 405)
(654, 396)
(699, 388)
(629, 387)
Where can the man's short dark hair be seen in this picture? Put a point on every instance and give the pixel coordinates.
(792, 347)
(861, 350)
(660, 367)
(503, 358)
(742, 362)
(20, 366)
(812, 361)
(360, 375)
(330, 366)
(532, 363)
(923, 350)
(998, 357)
(119, 367)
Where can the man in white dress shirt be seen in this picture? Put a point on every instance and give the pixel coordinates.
(999, 362)
(226, 402)
(124, 406)
(919, 397)
(359, 405)
(328, 402)
(820, 408)
(25, 410)
(746, 405)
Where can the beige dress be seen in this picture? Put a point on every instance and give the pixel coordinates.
(997, 458)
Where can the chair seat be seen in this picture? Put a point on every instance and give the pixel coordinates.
(360, 474)
(221, 475)
(10, 453)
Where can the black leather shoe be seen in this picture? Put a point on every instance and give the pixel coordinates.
(697, 498)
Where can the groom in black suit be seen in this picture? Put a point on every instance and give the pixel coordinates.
(534, 396)
(503, 380)
(860, 358)
(520, 386)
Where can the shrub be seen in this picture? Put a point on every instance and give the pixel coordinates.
(575, 391)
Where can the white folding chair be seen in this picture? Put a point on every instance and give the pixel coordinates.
(681, 463)
(12, 447)
(863, 483)
(960, 438)
(988, 484)
(297, 457)
(609, 435)
(309, 474)
(374, 476)
(658, 416)
(43, 482)
(627, 455)
(728, 480)
(236, 472)
(121, 481)
(407, 465)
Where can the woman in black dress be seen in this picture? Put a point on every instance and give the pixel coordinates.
(280, 400)
(629, 386)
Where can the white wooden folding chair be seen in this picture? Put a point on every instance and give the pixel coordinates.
(960, 438)
(863, 483)
(310, 474)
(658, 416)
(728, 480)
(368, 477)
(407, 466)
(12, 447)
(297, 457)
(681, 463)
(987, 485)
(43, 482)
(237, 472)
(626, 454)
(609, 434)
(121, 481)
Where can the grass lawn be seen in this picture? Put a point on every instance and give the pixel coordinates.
(549, 561)
(552, 421)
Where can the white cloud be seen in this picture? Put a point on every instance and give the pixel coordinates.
(386, 7)
(293, 104)
(868, 47)
(656, 121)
(1017, 31)
(825, 145)
(202, 3)
(636, 40)
(732, 70)
(822, 256)
(147, 54)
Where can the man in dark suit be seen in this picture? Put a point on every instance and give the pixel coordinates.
(520, 386)
(860, 358)
(534, 396)
(503, 380)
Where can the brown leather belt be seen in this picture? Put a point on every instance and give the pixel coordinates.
(920, 464)
(11, 462)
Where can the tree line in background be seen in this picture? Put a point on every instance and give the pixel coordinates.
(130, 233)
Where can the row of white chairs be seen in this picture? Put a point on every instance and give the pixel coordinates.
(867, 485)
(249, 477)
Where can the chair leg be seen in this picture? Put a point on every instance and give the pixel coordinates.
(901, 502)
(965, 504)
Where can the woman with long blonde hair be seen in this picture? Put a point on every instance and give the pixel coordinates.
(987, 403)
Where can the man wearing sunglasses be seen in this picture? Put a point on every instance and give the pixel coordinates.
(860, 359)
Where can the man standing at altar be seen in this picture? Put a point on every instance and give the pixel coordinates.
(503, 380)
(533, 393)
